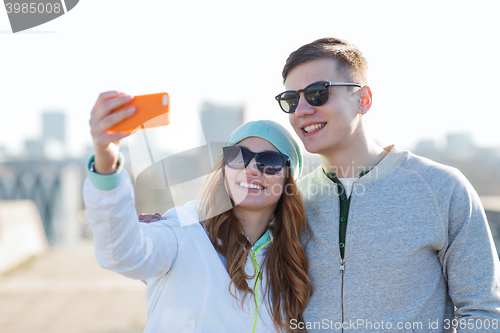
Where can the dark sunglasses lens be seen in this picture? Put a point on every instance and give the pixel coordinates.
(270, 163)
(235, 157)
(316, 94)
(288, 101)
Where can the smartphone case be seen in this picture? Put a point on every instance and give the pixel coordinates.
(151, 111)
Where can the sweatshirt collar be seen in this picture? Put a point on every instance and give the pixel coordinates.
(393, 159)
(266, 237)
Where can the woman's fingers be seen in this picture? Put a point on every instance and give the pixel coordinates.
(104, 97)
(104, 124)
(102, 118)
(105, 107)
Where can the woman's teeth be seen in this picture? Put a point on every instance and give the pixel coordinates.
(313, 127)
(251, 186)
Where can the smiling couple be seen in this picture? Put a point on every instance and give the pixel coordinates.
(263, 253)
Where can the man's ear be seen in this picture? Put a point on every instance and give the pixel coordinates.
(365, 100)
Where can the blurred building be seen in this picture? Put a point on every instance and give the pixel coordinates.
(427, 146)
(219, 121)
(3, 154)
(460, 144)
(54, 126)
(33, 149)
(52, 144)
(481, 166)
(45, 175)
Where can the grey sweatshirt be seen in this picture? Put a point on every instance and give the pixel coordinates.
(417, 244)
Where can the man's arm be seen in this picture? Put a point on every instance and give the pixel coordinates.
(470, 262)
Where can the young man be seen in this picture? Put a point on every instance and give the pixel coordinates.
(399, 243)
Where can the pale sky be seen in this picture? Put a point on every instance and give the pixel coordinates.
(433, 65)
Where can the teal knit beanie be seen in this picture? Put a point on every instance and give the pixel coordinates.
(274, 133)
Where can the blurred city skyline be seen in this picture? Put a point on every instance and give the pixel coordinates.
(24, 145)
(216, 123)
(432, 65)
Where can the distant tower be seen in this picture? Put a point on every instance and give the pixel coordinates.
(54, 135)
(459, 141)
(460, 145)
(3, 154)
(425, 147)
(219, 121)
(34, 149)
(54, 127)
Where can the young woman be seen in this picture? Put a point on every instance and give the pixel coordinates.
(232, 262)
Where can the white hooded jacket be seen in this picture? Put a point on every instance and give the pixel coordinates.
(187, 282)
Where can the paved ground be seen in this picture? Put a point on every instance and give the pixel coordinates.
(65, 291)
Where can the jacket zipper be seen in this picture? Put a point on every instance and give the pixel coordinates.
(258, 275)
(342, 269)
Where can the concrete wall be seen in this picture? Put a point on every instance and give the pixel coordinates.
(21, 233)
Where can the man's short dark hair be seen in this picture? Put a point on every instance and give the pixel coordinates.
(349, 59)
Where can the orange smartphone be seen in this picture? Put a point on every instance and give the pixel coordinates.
(151, 111)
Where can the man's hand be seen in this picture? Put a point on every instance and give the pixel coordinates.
(147, 218)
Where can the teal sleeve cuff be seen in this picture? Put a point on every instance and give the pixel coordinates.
(105, 182)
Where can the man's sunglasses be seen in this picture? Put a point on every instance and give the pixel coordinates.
(316, 94)
(268, 162)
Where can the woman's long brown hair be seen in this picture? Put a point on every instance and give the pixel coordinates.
(288, 286)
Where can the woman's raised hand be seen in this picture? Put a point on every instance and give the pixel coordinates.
(107, 144)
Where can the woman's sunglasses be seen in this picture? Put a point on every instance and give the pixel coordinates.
(268, 162)
(316, 94)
